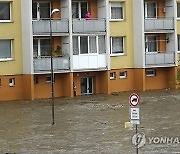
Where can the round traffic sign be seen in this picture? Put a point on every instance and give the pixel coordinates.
(134, 99)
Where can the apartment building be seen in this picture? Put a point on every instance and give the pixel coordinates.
(125, 45)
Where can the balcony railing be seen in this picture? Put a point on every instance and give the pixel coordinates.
(160, 58)
(86, 26)
(44, 63)
(159, 24)
(43, 26)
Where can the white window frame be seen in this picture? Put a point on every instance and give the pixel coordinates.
(47, 79)
(112, 75)
(11, 82)
(117, 54)
(38, 5)
(39, 55)
(10, 5)
(124, 76)
(11, 43)
(121, 4)
(146, 17)
(88, 40)
(178, 43)
(178, 4)
(146, 46)
(79, 7)
(152, 72)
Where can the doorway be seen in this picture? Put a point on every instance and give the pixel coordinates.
(86, 85)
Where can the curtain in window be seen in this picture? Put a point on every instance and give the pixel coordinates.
(45, 47)
(116, 10)
(75, 10)
(4, 11)
(75, 45)
(151, 44)
(101, 44)
(117, 45)
(92, 44)
(84, 44)
(83, 9)
(5, 49)
(35, 47)
(44, 10)
(151, 10)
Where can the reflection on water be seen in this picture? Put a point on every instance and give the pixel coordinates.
(88, 124)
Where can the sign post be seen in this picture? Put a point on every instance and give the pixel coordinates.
(134, 112)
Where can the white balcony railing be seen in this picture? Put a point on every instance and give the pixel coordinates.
(44, 63)
(43, 26)
(92, 25)
(88, 61)
(159, 24)
(160, 58)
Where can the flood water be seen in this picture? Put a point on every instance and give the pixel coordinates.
(90, 124)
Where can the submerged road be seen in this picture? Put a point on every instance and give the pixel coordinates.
(91, 125)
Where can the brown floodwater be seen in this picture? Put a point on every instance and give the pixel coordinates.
(90, 124)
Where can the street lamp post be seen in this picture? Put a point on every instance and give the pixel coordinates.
(52, 70)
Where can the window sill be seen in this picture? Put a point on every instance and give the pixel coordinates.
(6, 21)
(5, 60)
(116, 20)
(116, 55)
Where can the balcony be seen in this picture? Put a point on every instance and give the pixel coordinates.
(88, 61)
(167, 58)
(159, 24)
(88, 26)
(44, 64)
(43, 26)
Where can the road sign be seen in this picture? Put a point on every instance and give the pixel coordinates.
(134, 100)
(135, 117)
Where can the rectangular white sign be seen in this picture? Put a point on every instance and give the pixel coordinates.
(135, 118)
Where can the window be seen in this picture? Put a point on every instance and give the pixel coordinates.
(12, 82)
(79, 9)
(41, 47)
(151, 43)
(117, 45)
(178, 38)
(113, 75)
(5, 50)
(41, 10)
(150, 10)
(150, 73)
(178, 10)
(0, 82)
(88, 45)
(48, 79)
(123, 75)
(5, 11)
(36, 80)
(117, 10)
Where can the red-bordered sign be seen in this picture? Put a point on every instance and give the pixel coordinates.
(134, 100)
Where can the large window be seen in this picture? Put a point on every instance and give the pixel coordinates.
(150, 10)
(41, 10)
(117, 11)
(178, 10)
(117, 45)
(5, 11)
(151, 43)
(5, 49)
(79, 9)
(178, 38)
(88, 44)
(41, 47)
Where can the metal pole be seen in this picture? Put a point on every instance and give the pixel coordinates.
(52, 74)
(137, 142)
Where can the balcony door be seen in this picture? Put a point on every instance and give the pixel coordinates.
(150, 10)
(151, 43)
(86, 85)
(41, 10)
(79, 9)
